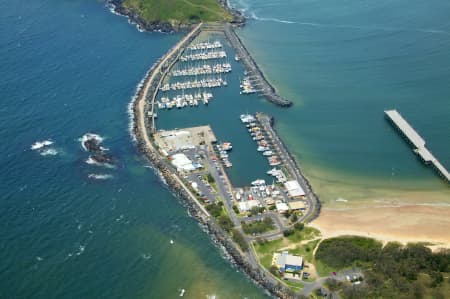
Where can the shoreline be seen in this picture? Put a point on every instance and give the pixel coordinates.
(218, 236)
(410, 223)
(116, 7)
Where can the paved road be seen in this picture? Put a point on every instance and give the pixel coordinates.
(291, 166)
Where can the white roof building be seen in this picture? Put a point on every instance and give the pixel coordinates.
(281, 206)
(294, 189)
(245, 206)
(182, 163)
(287, 262)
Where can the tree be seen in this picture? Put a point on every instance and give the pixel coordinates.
(299, 226)
(225, 222)
(294, 217)
(210, 178)
(239, 239)
(288, 232)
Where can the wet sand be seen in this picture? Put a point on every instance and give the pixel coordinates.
(407, 223)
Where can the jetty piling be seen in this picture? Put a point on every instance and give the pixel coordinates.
(417, 141)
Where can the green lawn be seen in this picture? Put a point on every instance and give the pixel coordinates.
(296, 286)
(306, 250)
(322, 269)
(306, 234)
(179, 11)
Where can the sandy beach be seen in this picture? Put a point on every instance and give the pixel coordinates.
(408, 223)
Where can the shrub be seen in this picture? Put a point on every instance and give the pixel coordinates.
(239, 239)
(299, 226)
(288, 232)
(225, 222)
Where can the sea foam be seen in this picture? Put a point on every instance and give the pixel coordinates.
(89, 136)
(100, 176)
(41, 144)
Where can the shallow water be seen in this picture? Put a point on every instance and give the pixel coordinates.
(343, 64)
(72, 67)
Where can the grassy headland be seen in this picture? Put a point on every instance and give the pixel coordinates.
(178, 13)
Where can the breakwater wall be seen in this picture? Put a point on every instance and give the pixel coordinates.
(142, 104)
(266, 89)
(291, 164)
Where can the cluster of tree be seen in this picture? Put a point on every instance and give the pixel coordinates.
(239, 239)
(225, 222)
(215, 209)
(342, 252)
(256, 210)
(210, 178)
(258, 226)
(392, 271)
(290, 231)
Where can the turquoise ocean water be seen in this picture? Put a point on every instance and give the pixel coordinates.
(343, 63)
(71, 67)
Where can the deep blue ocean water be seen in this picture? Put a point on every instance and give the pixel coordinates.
(71, 67)
(68, 68)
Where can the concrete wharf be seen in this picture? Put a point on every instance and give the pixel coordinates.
(417, 141)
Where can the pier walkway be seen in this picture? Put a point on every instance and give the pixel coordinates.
(417, 141)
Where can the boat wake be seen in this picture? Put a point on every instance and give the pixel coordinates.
(346, 26)
(255, 17)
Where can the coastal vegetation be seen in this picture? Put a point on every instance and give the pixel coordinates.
(176, 12)
(257, 226)
(302, 242)
(390, 271)
(215, 209)
(239, 239)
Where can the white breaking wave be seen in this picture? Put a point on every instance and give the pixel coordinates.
(130, 106)
(340, 199)
(91, 161)
(49, 152)
(89, 136)
(40, 144)
(100, 176)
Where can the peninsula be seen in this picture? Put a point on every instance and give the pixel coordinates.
(175, 15)
(263, 227)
